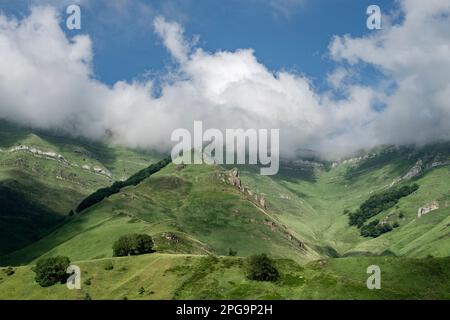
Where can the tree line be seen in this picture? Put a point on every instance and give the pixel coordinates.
(135, 179)
(376, 204)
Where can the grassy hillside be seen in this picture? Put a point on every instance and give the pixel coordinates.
(312, 202)
(43, 176)
(192, 211)
(162, 276)
(191, 201)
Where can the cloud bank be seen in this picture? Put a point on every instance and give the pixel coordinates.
(47, 81)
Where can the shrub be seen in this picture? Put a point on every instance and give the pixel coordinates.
(108, 266)
(374, 229)
(51, 270)
(232, 252)
(262, 268)
(9, 271)
(87, 296)
(133, 244)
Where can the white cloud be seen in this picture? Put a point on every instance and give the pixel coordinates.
(172, 35)
(286, 7)
(46, 80)
(416, 56)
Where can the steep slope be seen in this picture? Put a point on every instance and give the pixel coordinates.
(312, 198)
(306, 204)
(195, 203)
(43, 176)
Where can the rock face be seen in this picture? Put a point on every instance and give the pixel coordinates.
(414, 171)
(50, 155)
(235, 180)
(427, 208)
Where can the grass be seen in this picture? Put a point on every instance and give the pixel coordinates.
(37, 193)
(193, 202)
(178, 276)
(315, 209)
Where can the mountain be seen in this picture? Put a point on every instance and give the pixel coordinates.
(301, 217)
(43, 176)
(202, 211)
(314, 199)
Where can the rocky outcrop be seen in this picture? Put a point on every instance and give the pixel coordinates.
(298, 242)
(51, 155)
(425, 163)
(171, 237)
(36, 152)
(234, 179)
(427, 208)
(415, 171)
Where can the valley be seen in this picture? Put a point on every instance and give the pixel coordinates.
(198, 214)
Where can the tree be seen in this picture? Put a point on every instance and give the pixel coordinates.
(51, 270)
(143, 243)
(376, 204)
(133, 244)
(262, 268)
(232, 252)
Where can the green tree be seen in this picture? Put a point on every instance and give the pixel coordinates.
(143, 243)
(232, 252)
(133, 244)
(51, 270)
(262, 268)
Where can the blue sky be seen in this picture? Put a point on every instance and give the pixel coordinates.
(285, 34)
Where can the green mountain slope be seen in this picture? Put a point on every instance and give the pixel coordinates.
(194, 202)
(301, 214)
(43, 176)
(313, 200)
(305, 203)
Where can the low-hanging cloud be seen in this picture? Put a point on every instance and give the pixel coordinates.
(46, 81)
